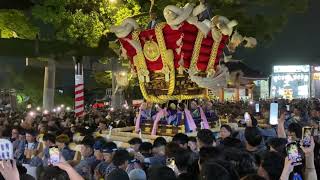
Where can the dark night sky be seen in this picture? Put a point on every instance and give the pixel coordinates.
(298, 43)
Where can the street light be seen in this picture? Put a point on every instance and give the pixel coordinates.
(68, 108)
(45, 111)
(31, 113)
(123, 73)
(38, 108)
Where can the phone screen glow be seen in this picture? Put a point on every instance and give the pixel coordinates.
(257, 108)
(274, 113)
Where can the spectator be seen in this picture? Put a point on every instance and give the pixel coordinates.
(216, 170)
(161, 173)
(294, 131)
(232, 142)
(243, 161)
(15, 138)
(192, 144)
(137, 174)
(102, 126)
(271, 166)
(205, 138)
(120, 160)
(181, 157)
(62, 141)
(118, 174)
(209, 153)
(52, 173)
(107, 149)
(253, 142)
(98, 147)
(49, 141)
(146, 149)
(159, 152)
(86, 165)
(135, 144)
(278, 145)
(225, 131)
(181, 139)
(30, 147)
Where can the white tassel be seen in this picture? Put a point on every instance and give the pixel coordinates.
(147, 79)
(126, 27)
(251, 42)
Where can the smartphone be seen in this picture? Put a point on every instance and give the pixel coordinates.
(54, 154)
(293, 153)
(6, 149)
(273, 114)
(306, 136)
(171, 163)
(288, 107)
(246, 116)
(257, 108)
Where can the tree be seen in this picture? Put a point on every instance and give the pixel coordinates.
(103, 79)
(258, 18)
(83, 21)
(14, 24)
(86, 21)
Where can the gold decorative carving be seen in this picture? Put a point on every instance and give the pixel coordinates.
(151, 50)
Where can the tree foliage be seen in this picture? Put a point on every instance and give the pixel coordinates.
(258, 18)
(83, 21)
(14, 24)
(103, 78)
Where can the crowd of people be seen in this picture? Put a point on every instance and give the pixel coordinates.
(249, 153)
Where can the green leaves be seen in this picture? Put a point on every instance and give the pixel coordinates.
(85, 22)
(82, 21)
(14, 24)
(104, 78)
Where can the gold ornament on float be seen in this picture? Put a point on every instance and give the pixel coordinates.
(151, 50)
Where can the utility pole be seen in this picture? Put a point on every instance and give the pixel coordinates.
(49, 84)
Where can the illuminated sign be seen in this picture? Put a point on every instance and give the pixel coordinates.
(316, 68)
(316, 76)
(291, 68)
(290, 85)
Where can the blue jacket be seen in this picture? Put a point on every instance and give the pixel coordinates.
(85, 167)
(67, 153)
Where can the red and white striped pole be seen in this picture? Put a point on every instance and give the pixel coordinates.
(79, 89)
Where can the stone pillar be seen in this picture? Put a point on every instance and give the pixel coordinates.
(116, 94)
(221, 95)
(49, 85)
(237, 94)
(250, 93)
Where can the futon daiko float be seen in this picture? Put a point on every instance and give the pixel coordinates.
(179, 59)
